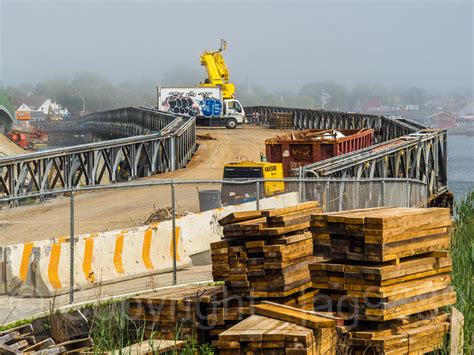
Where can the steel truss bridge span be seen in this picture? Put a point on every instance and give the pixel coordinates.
(104, 162)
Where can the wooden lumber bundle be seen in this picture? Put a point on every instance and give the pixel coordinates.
(277, 329)
(265, 253)
(380, 234)
(418, 334)
(175, 313)
(225, 313)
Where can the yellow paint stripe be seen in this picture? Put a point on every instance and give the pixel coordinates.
(176, 237)
(53, 267)
(118, 254)
(25, 260)
(87, 262)
(146, 249)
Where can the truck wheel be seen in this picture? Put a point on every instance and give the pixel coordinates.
(31, 145)
(231, 123)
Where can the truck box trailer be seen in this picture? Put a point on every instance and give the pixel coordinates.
(204, 103)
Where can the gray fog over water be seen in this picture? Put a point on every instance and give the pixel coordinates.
(460, 164)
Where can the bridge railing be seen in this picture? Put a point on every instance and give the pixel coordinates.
(384, 128)
(105, 162)
(122, 122)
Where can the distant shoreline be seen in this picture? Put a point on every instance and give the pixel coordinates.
(459, 132)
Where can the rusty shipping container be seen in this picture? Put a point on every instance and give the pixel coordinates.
(299, 148)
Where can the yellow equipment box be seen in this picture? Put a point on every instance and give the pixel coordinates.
(247, 170)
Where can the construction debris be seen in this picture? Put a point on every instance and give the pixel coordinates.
(23, 339)
(204, 137)
(163, 214)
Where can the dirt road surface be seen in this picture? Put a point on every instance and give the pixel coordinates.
(125, 208)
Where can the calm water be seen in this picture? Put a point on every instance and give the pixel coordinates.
(460, 164)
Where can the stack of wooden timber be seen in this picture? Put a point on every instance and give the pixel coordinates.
(388, 265)
(380, 234)
(265, 253)
(416, 284)
(278, 329)
(175, 313)
(411, 335)
(281, 120)
(22, 339)
(226, 312)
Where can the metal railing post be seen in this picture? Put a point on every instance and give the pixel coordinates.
(173, 213)
(173, 152)
(71, 249)
(257, 194)
(408, 194)
(327, 197)
(383, 192)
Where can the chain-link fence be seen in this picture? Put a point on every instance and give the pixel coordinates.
(187, 209)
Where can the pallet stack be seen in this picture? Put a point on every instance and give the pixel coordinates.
(277, 329)
(176, 313)
(263, 255)
(281, 120)
(386, 265)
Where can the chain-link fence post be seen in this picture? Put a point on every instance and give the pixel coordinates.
(327, 197)
(257, 195)
(173, 232)
(71, 248)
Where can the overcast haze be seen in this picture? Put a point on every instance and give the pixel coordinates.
(276, 45)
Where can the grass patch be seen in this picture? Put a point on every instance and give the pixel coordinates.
(462, 250)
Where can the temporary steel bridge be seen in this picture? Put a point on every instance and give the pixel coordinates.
(143, 141)
(154, 142)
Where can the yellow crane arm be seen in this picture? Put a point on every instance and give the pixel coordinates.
(217, 72)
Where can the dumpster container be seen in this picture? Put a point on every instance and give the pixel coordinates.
(300, 148)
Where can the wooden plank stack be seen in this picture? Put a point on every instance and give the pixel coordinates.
(263, 255)
(175, 313)
(413, 335)
(387, 265)
(380, 234)
(277, 329)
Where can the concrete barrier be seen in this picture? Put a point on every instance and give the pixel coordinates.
(42, 268)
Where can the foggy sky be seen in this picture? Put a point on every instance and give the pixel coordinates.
(275, 45)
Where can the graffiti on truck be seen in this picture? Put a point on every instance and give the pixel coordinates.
(192, 104)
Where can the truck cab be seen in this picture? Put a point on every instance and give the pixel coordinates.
(234, 113)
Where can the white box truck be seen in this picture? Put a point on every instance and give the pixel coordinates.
(204, 103)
